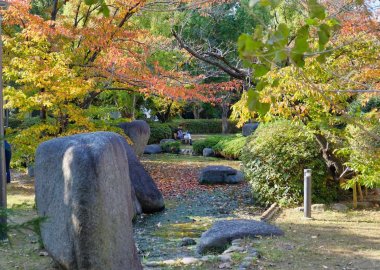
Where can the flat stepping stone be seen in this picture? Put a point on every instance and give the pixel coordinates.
(220, 175)
(223, 232)
(153, 149)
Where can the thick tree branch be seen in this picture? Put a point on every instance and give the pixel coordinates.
(214, 60)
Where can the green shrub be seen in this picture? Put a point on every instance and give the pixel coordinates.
(171, 147)
(209, 142)
(274, 159)
(159, 131)
(364, 153)
(204, 126)
(230, 147)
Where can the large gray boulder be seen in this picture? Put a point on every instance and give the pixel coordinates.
(153, 149)
(223, 232)
(220, 175)
(208, 152)
(249, 128)
(139, 132)
(83, 189)
(147, 194)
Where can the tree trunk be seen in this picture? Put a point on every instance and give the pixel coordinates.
(333, 163)
(360, 193)
(43, 113)
(133, 107)
(197, 109)
(224, 118)
(354, 197)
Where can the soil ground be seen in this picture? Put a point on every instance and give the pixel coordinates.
(331, 240)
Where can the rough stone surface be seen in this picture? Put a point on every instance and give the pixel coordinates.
(139, 132)
(339, 207)
(318, 207)
(147, 194)
(208, 152)
(166, 140)
(153, 149)
(248, 129)
(83, 188)
(220, 175)
(233, 249)
(235, 179)
(225, 258)
(187, 241)
(188, 152)
(223, 232)
(189, 260)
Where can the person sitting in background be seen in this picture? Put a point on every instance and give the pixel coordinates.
(187, 137)
(8, 156)
(180, 134)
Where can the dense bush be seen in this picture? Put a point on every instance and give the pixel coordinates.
(230, 147)
(204, 126)
(159, 131)
(274, 159)
(364, 152)
(171, 147)
(209, 142)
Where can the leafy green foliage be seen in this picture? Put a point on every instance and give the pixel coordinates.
(209, 142)
(230, 147)
(203, 126)
(274, 159)
(171, 147)
(159, 131)
(364, 153)
(33, 224)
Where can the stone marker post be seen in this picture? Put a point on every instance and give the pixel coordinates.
(307, 193)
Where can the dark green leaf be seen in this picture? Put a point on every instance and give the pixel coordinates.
(301, 44)
(261, 85)
(91, 2)
(260, 70)
(323, 35)
(255, 105)
(276, 82)
(316, 10)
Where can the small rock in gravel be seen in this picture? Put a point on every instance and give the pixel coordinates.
(318, 207)
(208, 258)
(248, 259)
(152, 264)
(254, 253)
(236, 242)
(245, 264)
(225, 265)
(43, 254)
(340, 207)
(225, 258)
(189, 260)
(187, 241)
(233, 249)
(169, 262)
(299, 209)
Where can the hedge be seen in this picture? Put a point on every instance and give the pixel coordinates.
(274, 159)
(159, 131)
(203, 126)
(230, 147)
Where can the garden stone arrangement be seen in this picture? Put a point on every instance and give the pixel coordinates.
(223, 232)
(148, 198)
(153, 149)
(249, 128)
(220, 175)
(83, 188)
(139, 132)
